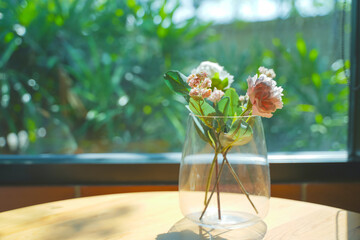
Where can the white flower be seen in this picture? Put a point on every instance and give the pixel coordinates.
(216, 95)
(211, 69)
(268, 72)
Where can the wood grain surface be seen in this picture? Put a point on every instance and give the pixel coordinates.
(150, 215)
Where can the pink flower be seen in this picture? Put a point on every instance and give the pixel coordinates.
(199, 80)
(264, 95)
(206, 83)
(216, 95)
(205, 93)
(194, 92)
(200, 86)
(193, 80)
(200, 93)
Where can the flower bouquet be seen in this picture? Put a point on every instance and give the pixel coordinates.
(226, 122)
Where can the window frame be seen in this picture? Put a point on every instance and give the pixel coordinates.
(354, 86)
(162, 169)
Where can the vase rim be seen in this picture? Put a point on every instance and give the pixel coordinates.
(216, 116)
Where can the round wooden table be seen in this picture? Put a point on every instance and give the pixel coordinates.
(151, 215)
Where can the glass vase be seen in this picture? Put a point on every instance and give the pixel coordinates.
(224, 179)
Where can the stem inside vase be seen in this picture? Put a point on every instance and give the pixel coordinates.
(216, 186)
(217, 189)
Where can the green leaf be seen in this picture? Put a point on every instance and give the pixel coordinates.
(313, 55)
(240, 128)
(240, 133)
(28, 13)
(8, 53)
(202, 130)
(319, 118)
(330, 97)
(301, 46)
(223, 106)
(234, 105)
(176, 81)
(347, 64)
(276, 42)
(215, 81)
(316, 79)
(224, 83)
(218, 83)
(200, 107)
(131, 3)
(305, 108)
(8, 37)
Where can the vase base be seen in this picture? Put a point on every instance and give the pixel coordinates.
(229, 220)
(187, 229)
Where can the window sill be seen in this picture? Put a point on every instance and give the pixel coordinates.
(161, 169)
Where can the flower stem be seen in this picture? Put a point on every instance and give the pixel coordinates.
(217, 189)
(213, 190)
(239, 182)
(248, 107)
(210, 176)
(217, 173)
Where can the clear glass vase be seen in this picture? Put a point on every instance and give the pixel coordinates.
(224, 179)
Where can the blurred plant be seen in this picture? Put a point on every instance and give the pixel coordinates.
(316, 95)
(63, 61)
(92, 71)
(316, 98)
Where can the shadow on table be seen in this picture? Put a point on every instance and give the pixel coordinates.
(83, 227)
(186, 229)
(184, 235)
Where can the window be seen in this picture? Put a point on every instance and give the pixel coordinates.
(87, 78)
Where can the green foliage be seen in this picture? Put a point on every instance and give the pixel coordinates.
(201, 107)
(204, 131)
(218, 83)
(235, 108)
(314, 116)
(315, 98)
(239, 134)
(91, 72)
(176, 81)
(301, 46)
(214, 122)
(97, 70)
(222, 108)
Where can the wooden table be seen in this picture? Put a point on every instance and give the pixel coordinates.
(150, 215)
